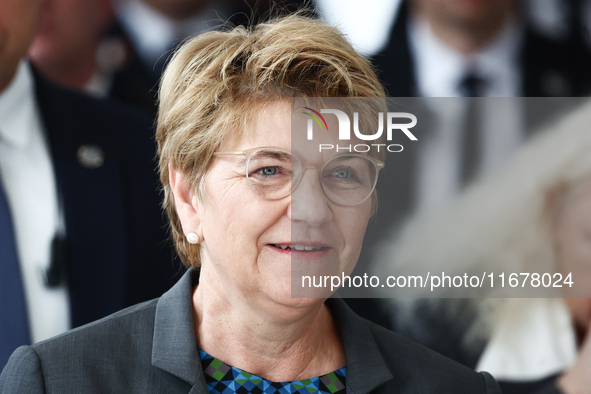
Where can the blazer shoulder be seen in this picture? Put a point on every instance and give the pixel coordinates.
(131, 324)
(23, 373)
(429, 371)
(105, 344)
(113, 354)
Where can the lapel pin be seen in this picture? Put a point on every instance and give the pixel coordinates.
(91, 156)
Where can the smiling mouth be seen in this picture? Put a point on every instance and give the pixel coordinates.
(299, 248)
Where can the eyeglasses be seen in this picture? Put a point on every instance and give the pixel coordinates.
(273, 173)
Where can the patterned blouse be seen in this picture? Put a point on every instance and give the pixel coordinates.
(224, 379)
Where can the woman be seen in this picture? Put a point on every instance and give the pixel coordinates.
(244, 202)
(534, 217)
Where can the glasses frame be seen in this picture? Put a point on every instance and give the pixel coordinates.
(378, 164)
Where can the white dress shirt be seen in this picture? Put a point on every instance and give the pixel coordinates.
(533, 339)
(29, 183)
(439, 70)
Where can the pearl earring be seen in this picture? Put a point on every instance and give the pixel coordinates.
(193, 238)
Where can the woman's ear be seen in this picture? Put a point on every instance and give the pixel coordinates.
(185, 200)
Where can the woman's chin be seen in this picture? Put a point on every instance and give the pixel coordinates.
(284, 299)
(287, 288)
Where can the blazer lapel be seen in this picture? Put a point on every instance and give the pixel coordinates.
(175, 348)
(89, 182)
(366, 368)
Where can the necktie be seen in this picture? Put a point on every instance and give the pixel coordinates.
(471, 86)
(14, 327)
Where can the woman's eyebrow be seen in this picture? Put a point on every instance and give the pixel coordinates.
(282, 156)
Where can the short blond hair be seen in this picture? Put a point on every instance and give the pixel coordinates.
(216, 81)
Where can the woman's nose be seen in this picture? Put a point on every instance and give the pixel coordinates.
(308, 201)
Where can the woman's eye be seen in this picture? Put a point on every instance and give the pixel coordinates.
(268, 171)
(341, 173)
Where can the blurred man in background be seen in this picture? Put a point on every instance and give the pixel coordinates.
(451, 52)
(118, 48)
(70, 49)
(152, 29)
(447, 48)
(81, 231)
(455, 48)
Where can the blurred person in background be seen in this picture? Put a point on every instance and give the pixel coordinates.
(117, 48)
(70, 47)
(453, 48)
(80, 219)
(152, 29)
(456, 48)
(533, 217)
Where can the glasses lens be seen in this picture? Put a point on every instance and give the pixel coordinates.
(349, 179)
(269, 173)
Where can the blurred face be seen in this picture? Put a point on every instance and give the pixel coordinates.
(18, 24)
(250, 243)
(69, 28)
(466, 12)
(572, 240)
(178, 9)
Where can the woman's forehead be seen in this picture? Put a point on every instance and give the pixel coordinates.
(269, 125)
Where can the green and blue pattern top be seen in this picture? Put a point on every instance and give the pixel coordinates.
(222, 378)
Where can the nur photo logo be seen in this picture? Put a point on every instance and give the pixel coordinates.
(389, 121)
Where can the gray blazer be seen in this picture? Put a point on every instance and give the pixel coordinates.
(151, 348)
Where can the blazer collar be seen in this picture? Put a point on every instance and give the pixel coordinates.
(175, 349)
(366, 367)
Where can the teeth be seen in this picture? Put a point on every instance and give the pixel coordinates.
(299, 247)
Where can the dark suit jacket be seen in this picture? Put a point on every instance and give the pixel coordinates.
(151, 348)
(116, 239)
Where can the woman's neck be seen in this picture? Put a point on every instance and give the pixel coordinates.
(279, 345)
